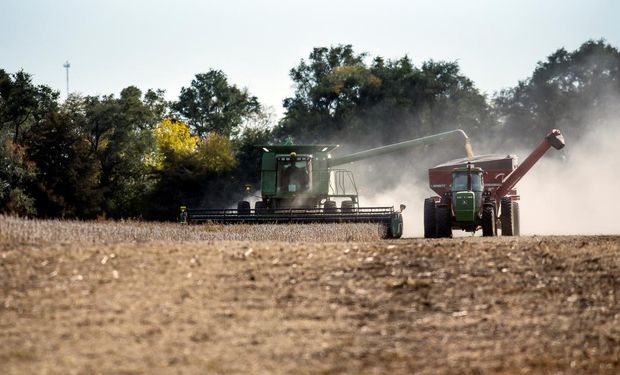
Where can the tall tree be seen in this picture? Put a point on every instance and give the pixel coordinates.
(67, 173)
(256, 131)
(16, 173)
(327, 87)
(194, 173)
(573, 91)
(172, 137)
(22, 103)
(212, 104)
(340, 98)
(120, 135)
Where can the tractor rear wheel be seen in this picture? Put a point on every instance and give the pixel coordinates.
(488, 221)
(515, 217)
(444, 222)
(243, 208)
(330, 207)
(347, 206)
(507, 219)
(260, 207)
(430, 224)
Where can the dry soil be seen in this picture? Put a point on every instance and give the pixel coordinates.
(466, 305)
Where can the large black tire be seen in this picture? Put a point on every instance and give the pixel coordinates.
(507, 218)
(444, 221)
(384, 231)
(330, 207)
(488, 221)
(430, 224)
(516, 218)
(347, 206)
(260, 207)
(243, 208)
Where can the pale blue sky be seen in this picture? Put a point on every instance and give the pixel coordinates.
(162, 44)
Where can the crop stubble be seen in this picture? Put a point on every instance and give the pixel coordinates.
(467, 305)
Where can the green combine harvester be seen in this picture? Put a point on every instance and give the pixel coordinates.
(304, 184)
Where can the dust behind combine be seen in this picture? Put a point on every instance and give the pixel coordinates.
(467, 305)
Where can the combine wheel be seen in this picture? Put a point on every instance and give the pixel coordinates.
(243, 208)
(260, 207)
(444, 224)
(347, 206)
(385, 232)
(488, 221)
(330, 207)
(508, 219)
(430, 225)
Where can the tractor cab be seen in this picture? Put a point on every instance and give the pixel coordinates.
(294, 173)
(466, 191)
(465, 179)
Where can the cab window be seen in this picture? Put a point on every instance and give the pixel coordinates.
(459, 181)
(476, 181)
(293, 174)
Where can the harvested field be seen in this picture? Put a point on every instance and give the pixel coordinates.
(467, 305)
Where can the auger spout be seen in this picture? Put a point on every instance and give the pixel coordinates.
(553, 139)
(428, 140)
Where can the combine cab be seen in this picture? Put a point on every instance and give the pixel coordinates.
(303, 184)
(478, 192)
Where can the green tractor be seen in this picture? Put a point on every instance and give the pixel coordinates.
(478, 193)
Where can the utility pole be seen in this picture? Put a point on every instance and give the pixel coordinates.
(67, 66)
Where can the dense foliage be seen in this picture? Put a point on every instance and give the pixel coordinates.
(574, 91)
(338, 96)
(137, 155)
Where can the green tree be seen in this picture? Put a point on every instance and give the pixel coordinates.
(212, 104)
(201, 178)
(120, 135)
(67, 173)
(327, 87)
(22, 103)
(256, 131)
(215, 154)
(16, 172)
(156, 105)
(573, 91)
(340, 98)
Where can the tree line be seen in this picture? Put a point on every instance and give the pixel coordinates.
(137, 155)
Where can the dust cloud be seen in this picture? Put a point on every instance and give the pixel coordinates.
(577, 194)
(409, 193)
(571, 191)
(402, 178)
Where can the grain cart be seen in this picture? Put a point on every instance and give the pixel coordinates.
(303, 184)
(471, 191)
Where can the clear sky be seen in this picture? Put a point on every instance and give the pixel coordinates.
(112, 44)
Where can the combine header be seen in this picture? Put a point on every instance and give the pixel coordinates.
(471, 191)
(302, 184)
